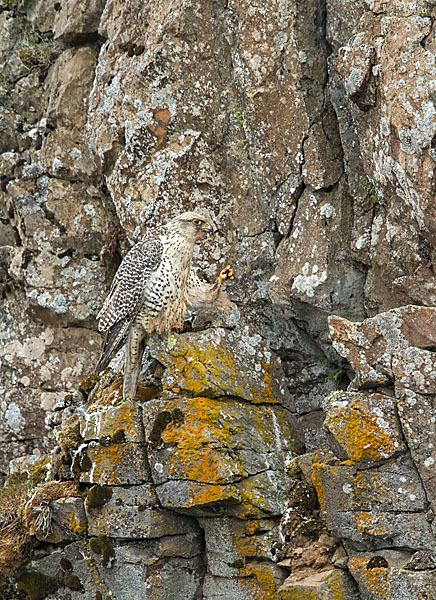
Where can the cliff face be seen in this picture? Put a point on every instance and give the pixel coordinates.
(307, 130)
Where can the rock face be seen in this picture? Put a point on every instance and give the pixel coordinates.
(306, 130)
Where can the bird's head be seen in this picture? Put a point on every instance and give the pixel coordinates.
(191, 225)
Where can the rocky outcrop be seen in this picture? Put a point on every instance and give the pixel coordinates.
(377, 491)
(182, 489)
(264, 444)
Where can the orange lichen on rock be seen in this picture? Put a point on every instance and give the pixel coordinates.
(212, 368)
(370, 523)
(115, 464)
(375, 580)
(196, 459)
(263, 583)
(364, 436)
(110, 421)
(317, 469)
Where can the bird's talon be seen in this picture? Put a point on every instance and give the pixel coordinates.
(227, 273)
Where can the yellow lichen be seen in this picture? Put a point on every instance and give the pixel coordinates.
(375, 581)
(359, 433)
(195, 459)
(369, 523)
(75, 526)
(213, 368)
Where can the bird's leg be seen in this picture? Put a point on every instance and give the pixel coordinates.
(226, 273)
(135, 351)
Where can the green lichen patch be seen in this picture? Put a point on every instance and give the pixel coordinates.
(118, 437)
(85, 463)
(102, 546)
(377, 562)
(97, 496)
(40, 470)
(87, 385)
(163, 419)
(66, 564)
(37, 585)
(69, 436)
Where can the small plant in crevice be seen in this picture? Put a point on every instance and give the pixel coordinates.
(370, 191)
(337, 376)
(239, 116)
(425, 14)
(336, 373)
(11, 4)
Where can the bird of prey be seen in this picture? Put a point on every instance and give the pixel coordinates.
(151, 291)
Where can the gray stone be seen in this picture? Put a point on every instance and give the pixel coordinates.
(135, 513)
(217, 363)
(115, 464)
(417, 418)
(123, 421)
(378, 507)
(327, 585)
(232, 544)
(392, 581)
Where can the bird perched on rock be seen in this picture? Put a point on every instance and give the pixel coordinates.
(151, 291)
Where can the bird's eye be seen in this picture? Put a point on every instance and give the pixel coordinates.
(197, 221)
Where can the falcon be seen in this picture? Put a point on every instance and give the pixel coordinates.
(151, 291)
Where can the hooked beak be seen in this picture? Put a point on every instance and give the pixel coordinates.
(208, 228)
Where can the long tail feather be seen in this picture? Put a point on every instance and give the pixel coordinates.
(132, 368)
(115, 338)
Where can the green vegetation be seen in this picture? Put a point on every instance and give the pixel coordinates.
(102, 545)
(370, 191)
(239, 116)
(11, 4)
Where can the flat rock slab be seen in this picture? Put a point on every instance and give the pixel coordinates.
(204, 451)
(262, 580)
(377, 507)
(417, 416)
(122, 423)
(327, 585)
(231, 544)
(216, 362)
(387, 583)
(135, 513)
(115, 464)
(370, 345)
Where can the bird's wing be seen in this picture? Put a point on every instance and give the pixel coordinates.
(129, 281)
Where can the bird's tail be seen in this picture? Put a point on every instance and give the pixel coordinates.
(115, 338)
(134, 354)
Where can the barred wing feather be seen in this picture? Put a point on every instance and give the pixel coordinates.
(129, 281)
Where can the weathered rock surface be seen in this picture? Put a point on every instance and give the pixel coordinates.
(306, 130)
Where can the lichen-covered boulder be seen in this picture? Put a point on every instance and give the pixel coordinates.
(371, 507)
(205, 452)
(326, 585)
(218, 363)
(375, 346)
(365, 425)
(383, 576)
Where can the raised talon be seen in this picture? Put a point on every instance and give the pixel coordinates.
(227, 273)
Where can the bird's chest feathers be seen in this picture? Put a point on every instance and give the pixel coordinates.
(170, 283)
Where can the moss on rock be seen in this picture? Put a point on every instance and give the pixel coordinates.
(98, 496)
(36, 585)
(102, 546)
